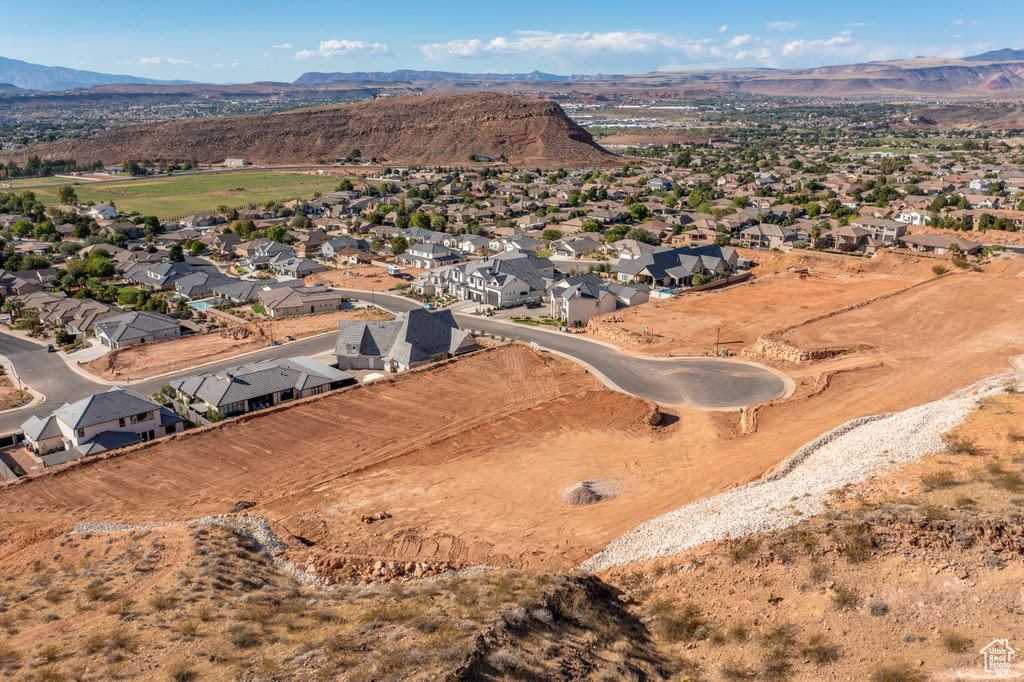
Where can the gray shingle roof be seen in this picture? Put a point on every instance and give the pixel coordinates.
(40, 428)
(410, 338)
(135, 325)
(116, 403)
(255, 379)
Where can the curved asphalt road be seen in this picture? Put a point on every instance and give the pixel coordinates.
(710, 383)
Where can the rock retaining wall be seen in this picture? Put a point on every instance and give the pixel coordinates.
(766, 348)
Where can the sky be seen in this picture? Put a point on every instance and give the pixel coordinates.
(221, 41)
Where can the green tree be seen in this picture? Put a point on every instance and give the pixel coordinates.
(345, 185)
(590, 226)
(176, 254)
(399, 245)
(100, 267)
(641, 235)
(302, 222)
(551, 234)
(277, 233)
(66, 195)
(197, 248)
(440, 223)
(420, 219)
(638, 211)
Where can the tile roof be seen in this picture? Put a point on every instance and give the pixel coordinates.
(116, 403)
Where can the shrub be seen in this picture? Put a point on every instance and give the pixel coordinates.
(733, 669)
(877, 608)
(896, 672)
(743, 550)
(181, 671)
(939, 480)
(820, 650)
(939, 270)
(684, 625)
(49, 653)
(243, 637)
(958, 445)
(8, 654)
(959, 261)
(162, 602)
(775, 666)
(845, 598)
(504, 661)
(955, 643)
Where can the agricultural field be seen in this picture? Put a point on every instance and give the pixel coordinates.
(174, 197)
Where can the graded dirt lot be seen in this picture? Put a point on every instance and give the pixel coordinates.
(362, 277)
(301, 326)
(152, 359)
(10, 396)
(779, 295)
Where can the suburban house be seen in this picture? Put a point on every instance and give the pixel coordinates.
(575, 300)
(157, 276)
(675, 267)
(852, 238)
(139, 326)
(507, 279)
(283, 302)
(934, 243)
(257, 385)
(100, 422)
(413, 338)
(333, 248)
(201, 220)
(766, 236)
(888, 231)
(428, 255)
(575, 247)
(294, 266)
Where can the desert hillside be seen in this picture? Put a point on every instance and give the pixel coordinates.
(429, 130)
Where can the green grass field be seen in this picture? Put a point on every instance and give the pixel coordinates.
(174, 197)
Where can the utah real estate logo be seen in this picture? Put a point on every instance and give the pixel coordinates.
(997, 656)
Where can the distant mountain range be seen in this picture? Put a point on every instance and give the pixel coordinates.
(1004, 55)
(996, 73)
(49, 78)
(316, 78)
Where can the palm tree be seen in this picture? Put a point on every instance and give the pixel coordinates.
(12, 306)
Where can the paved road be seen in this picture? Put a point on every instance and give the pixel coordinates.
(699, 382)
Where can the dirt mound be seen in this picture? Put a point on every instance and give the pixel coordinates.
(434, 130)
(587, 492)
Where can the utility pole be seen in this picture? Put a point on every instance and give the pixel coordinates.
(718, 341)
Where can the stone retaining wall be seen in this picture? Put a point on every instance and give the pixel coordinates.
(766, 348)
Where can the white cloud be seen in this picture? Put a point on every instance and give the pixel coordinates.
(759, 54)
(236, 64)
(739, 41)
(860, 23)
(796, 47)
(723, 28)
(171, 61)
(345, 48)
(284, 46)
(969, 22)
(540, 43)
(782, 25)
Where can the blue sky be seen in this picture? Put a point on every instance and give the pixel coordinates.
(229, 41)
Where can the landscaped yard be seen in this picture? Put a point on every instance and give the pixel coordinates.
(174, 197)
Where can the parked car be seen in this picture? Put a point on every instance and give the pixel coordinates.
(428, 306)
(533, 304)
(289, 338)
(50, 348)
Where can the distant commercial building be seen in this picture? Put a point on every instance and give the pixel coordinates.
(237, 161)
